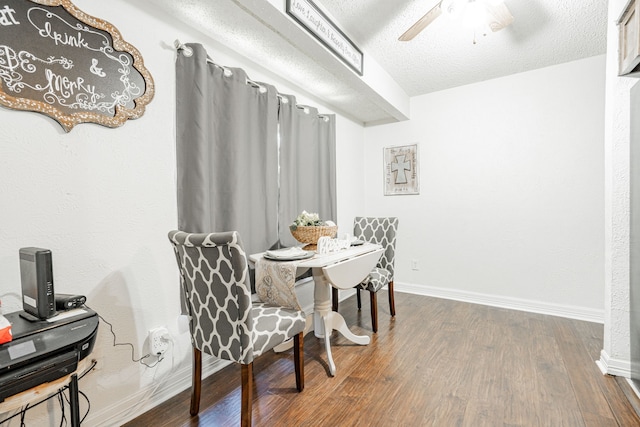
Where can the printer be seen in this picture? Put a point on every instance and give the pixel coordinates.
(45, 350)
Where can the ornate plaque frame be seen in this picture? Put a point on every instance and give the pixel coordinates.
(311, 18)
(59, 61)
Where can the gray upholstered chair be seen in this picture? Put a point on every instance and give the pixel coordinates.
(383, 232)
(224, 322)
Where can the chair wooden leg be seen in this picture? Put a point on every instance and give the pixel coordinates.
(334, 295)
(392, 301)
(247, 394)
(358, 295)
(298, 359)
(374, 311)
(196, 382)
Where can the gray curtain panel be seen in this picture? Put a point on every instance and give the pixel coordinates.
(227, 152)
(307, 165)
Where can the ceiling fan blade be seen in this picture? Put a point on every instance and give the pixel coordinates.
(422, 23)
(499, 16)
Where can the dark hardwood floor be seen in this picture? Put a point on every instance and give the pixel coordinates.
(438, 363)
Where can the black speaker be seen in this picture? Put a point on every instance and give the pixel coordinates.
(36, 275)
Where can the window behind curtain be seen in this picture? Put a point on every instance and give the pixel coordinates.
(307, 165)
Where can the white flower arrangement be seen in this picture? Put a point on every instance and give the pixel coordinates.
(306, 219)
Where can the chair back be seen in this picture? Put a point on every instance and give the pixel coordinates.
(381, 231)
(215, 281)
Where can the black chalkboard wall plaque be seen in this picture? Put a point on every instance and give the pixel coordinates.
(59, 61)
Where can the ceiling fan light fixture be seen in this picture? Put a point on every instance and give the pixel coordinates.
(453, 7)
(481, 16)
(474, 16)
(471, 14)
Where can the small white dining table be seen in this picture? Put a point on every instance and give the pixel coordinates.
(342, 269)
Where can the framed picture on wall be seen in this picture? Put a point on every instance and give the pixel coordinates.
(401, 174)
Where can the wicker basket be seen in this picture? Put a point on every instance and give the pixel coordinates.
(311, 233)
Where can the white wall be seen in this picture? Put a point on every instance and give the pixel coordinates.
(616, 355)
(510, 210)
(103, 201)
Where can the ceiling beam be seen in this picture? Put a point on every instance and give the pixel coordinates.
(376, 85)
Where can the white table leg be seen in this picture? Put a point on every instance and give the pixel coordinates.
(338, 323)
(326, 321)
(321, 302)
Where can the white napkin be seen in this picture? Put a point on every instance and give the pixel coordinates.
(286, 253)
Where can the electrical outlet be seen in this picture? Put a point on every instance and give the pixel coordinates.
(414, 264)
(158, 341)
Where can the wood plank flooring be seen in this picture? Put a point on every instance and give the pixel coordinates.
(438, 363)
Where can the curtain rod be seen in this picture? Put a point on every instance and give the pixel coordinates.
(188, 52)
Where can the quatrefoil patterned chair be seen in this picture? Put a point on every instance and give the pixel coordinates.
(383, 232)
(223, 321)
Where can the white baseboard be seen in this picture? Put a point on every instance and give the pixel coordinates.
(152, 395)
(568, 311)
(620, 368)
(610, 366)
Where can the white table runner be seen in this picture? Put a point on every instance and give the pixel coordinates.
(275, 282)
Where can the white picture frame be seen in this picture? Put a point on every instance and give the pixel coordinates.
(401, 171)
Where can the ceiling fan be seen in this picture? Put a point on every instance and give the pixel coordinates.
(476, 14)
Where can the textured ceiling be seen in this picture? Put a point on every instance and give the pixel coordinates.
(238, 29)
(544, 33)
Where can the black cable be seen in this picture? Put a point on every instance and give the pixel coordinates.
(88, 405)
(63, 418)
(63, 397)
(28, 406)
(23, 413)
(93, 365)
(127, 344)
